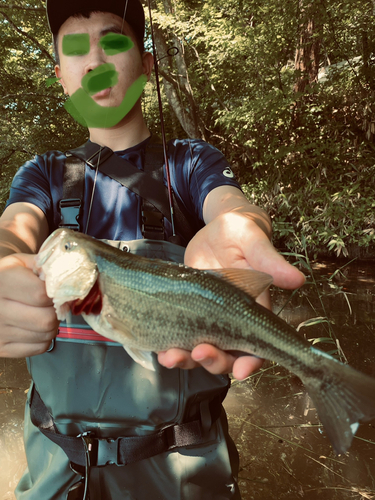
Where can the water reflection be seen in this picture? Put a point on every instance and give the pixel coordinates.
(284, 452)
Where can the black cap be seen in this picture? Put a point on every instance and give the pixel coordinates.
(58, 11)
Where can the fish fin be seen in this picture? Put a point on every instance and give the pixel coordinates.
(144, 358)
(121, 328)
(343, 399)
(123, 331)
(248, 280)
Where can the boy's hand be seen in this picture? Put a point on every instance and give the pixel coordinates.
(28, 321)
(232, 240)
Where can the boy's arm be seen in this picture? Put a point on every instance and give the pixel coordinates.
(23, 228)
(237, 234)
(28, 321)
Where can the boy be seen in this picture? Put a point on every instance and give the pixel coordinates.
(93, 386)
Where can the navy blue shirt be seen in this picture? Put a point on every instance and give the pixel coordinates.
(196, 168)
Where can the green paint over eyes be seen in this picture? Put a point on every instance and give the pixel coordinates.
(81, 105)
(113, 43)
(76, 45)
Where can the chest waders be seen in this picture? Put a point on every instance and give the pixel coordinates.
(131, 433)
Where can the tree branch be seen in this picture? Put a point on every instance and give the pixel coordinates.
(5, 159)
(208, 78)
(29, 37)
(171, 80)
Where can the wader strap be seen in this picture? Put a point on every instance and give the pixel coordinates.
(73, 188)
(119, 451)
(152, 218)
(141, 183)
(119, 169)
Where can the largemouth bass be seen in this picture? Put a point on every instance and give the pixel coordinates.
(152, 305)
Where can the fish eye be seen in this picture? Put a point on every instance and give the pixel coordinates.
(68, 246)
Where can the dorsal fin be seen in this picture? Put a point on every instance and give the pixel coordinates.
(248, 280)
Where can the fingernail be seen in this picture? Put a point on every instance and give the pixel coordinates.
(176, 365)
(206, 361)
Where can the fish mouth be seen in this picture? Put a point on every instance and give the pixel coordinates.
(46, 251)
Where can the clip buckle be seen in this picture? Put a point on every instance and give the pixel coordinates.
(70, 209)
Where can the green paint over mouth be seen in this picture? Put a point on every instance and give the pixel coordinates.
(100, 78)
(88, 113)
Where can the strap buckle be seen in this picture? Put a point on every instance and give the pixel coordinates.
(107, 452)
(101, 155)
(101, 451)
(152, 224)
(70, 209)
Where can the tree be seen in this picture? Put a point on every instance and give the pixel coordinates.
(307, 59)
(32, 117)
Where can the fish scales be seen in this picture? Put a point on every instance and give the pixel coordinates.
(162, 305)
(152, 305)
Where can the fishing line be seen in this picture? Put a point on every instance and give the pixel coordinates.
(162, 128)
(124, 15)
(93, 191)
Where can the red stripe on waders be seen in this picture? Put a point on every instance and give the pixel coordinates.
(66, 332)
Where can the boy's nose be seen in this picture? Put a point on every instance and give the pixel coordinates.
(95, 58)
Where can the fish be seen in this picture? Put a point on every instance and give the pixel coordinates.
(151, 305)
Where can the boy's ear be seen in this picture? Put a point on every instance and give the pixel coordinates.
(58, 75)
(148, 64)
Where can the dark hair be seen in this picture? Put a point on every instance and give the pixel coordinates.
(138, 40)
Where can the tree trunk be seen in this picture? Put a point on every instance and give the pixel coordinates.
(176, 80)
(307, 56)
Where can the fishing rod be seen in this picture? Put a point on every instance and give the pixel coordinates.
(162, 127)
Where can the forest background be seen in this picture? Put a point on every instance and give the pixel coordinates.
(285, 89)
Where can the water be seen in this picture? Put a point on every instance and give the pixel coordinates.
(284, 453)
(14, 383)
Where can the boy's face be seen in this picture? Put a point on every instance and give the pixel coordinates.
(99, 63)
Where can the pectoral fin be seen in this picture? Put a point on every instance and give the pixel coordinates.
(122, 332)
(144, 358)
(122, 329)
(248, 280)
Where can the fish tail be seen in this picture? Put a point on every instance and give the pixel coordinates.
(343, 398)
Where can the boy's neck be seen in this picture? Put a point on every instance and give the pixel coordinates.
(126, 134)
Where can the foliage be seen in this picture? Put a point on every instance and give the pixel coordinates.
(32, 117)
(307, 157)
